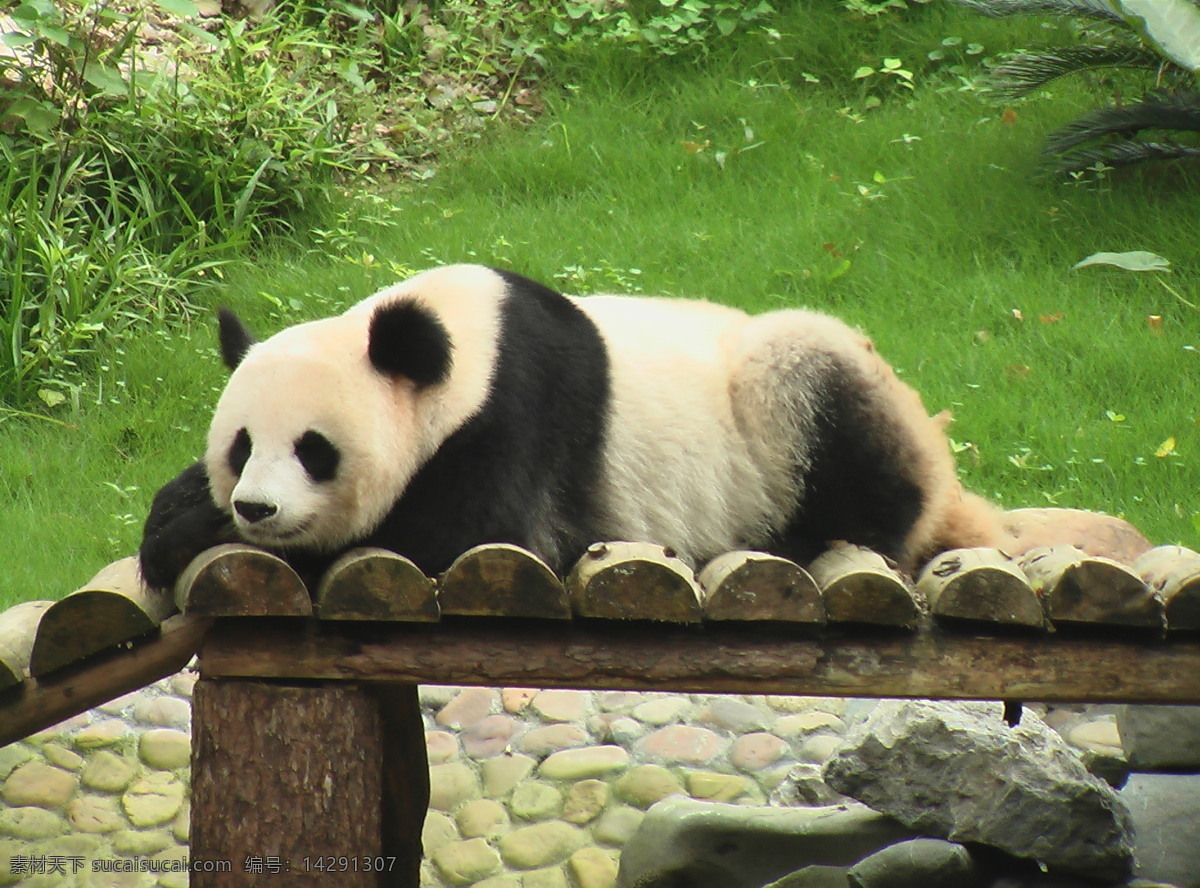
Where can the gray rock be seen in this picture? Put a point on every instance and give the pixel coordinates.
(804, 785)
(1160, 736)
(918, 863)
(956, 771)
(683, 842)
(1166, 819)
(815, 877)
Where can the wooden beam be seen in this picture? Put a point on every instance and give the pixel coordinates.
(36, 705)
(715, 658)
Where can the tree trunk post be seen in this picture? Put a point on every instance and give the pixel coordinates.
(316, 784)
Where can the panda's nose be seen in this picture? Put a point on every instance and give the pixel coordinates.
(255, 512)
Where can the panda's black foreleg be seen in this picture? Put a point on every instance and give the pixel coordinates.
(183, 522)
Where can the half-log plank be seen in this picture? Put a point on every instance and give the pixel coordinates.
(502, 579)
(980, 584)
(67, 692)
(375, 584)
(758, 586)
(111, 608)
(1175, 572)
(18, 628)
(633, 581)
(734, 658)
(233, 580)
(264, 786)
(859, 586)
(1084, 589)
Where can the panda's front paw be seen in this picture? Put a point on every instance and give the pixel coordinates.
(182, 523)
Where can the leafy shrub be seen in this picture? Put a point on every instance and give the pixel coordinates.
(1160, 38)
(662, 27)
(127, 183)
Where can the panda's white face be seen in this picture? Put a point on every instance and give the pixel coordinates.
(322, 426)
(309, 443)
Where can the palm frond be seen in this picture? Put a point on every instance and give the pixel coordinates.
(1027, 71)
(1119, 154)
(1094, 9)
(1161, 111)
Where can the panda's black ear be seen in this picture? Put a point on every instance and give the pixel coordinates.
(235, 338)
(408, 339)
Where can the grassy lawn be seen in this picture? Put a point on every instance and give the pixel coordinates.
(744, 181)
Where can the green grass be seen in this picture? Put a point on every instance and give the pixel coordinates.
(920, 221)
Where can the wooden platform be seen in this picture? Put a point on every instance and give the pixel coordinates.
(306, 722)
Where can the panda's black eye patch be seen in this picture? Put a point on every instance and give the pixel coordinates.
(318, 456)
(239, 452)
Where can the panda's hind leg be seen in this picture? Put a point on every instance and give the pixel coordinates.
(851, 450)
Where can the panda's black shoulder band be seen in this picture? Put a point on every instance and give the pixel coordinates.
(408, 339)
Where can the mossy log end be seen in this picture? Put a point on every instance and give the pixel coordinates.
(980, 585)
(232, 580)
(375, 584)
(112, 608)
(634, 581)
(499, 579)
(859, 586)
(757, 586)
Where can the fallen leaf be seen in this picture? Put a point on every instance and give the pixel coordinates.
(1166, 448)
(1009, 117)
(1016, 313)
(1052, 319)
(695, 147)
(1154, 322)
(1133, 260)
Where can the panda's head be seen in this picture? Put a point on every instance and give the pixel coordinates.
(322, 426)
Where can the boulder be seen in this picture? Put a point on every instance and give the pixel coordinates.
(1166, 818)
(917, 863)
(956, 771)
(683, 842)
(1163, 737)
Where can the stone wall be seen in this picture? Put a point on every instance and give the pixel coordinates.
(530, 789)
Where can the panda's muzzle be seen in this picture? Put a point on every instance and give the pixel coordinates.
(253, 512)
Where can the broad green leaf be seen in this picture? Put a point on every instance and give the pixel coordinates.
(864, 71)
(50, 397)
(1134, 260)
(104, 78)
(1172, 26)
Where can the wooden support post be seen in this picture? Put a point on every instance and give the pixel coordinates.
(317, 785)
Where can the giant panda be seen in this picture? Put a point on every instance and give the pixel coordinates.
(468, 405)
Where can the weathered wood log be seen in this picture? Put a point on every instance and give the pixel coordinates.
(859, 586)
(110, 674)
(18, 628)
(980, 584)
(501, 579)
(1079, 588)
(758, 586)
(111, 608)
(715, 658)
(634, 581)
(375, 584)
(259, 790)
(1174, 572)
(1092, 532)
(232, 580)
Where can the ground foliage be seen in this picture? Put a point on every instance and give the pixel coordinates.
(831, 155)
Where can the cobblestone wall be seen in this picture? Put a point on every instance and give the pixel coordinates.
(530, 789)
